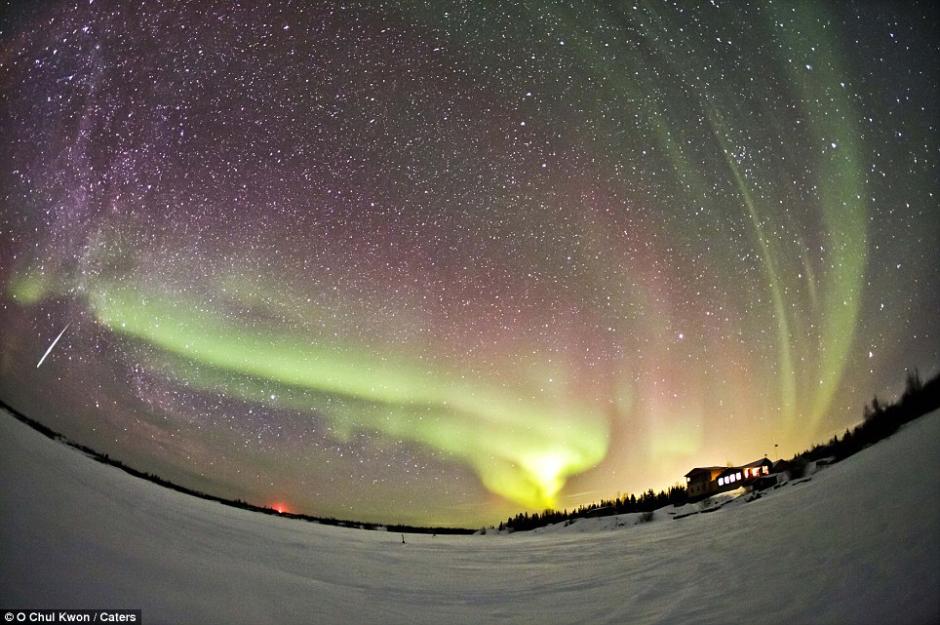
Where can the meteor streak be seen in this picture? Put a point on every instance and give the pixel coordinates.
(41, 360)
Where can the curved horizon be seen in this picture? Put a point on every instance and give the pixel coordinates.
(446, 263)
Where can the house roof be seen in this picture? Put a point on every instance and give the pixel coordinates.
(698, 470)
(756, 463)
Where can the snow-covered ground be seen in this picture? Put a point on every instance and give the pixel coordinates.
(859, 543)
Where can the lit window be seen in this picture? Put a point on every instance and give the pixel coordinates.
(765, 470)
(721, 481)
(737, 475)
(747, 473)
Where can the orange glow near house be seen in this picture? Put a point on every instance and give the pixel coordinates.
(280, 507)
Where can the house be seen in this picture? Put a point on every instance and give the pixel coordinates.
(704, 481)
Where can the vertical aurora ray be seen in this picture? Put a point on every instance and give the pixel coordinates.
(841, 187)
(841, 202)
(842, 206)
(769, 260)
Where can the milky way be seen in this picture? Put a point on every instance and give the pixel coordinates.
(438, 263)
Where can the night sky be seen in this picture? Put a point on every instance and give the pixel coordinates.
(439, 263)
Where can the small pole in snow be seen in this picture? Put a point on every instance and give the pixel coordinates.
(403, 539)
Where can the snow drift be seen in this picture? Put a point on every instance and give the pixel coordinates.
(858, 543)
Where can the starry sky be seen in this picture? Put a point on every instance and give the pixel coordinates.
(441, 262)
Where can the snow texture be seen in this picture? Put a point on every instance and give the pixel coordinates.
(857, 543)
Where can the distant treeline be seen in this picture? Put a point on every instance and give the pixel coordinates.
(647, 502)
(237, 503)
(879, 421)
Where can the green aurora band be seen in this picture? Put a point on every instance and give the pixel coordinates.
(521, 449)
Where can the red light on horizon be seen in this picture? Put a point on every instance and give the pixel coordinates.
(280, 508)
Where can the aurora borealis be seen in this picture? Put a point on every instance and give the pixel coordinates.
(440, 262)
